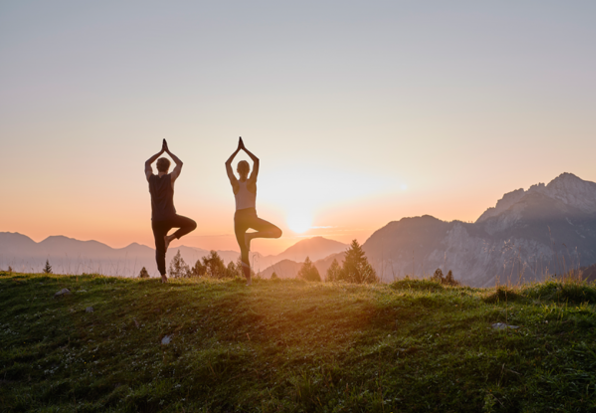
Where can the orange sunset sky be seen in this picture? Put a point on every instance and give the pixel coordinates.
(361, 112)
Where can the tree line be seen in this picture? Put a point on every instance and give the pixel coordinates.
(355, 268)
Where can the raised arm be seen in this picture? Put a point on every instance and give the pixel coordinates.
(148, 162)
(255, 160)
(178, 168)
(230, 172)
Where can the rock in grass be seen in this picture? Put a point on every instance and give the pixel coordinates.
(62, 293)
(503, 326)
(89, 309)
(166, 340)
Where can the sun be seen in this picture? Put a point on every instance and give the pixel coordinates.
(299, 221)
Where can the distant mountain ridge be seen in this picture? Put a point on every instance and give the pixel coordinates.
(71, 256)
(528, 234)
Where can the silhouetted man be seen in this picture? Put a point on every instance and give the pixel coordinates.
(163, 213)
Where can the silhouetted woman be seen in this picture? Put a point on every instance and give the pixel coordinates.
(245, 191)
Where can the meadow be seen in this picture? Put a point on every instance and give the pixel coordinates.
(201, 345)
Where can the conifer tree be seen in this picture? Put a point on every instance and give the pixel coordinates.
(356, 268)
(333, 272)
(178, 268)
(438, 276)
(143, 273)
(308, 271)
(232, 270)
(199, 270)
(450, 280)
(48, 268)
(214, 265)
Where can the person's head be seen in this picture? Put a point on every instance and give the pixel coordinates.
(163, 164)
(243, 168)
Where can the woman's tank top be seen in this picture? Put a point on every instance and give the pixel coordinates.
(245, 198)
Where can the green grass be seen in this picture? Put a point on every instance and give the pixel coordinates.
(292, 346)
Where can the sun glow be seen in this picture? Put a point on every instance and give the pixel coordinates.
(299, 221)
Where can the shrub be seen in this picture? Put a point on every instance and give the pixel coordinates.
(48, 268)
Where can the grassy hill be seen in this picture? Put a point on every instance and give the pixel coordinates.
(292, 346)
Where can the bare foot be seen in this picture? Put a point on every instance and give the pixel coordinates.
(164, 278)
(167, 239)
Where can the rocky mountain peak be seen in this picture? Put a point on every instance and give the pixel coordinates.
(567, 188)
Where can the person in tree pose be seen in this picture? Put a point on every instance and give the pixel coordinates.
(163, 213)
(245, 191)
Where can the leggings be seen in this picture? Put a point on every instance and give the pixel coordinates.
(245, 219)
(160, 230)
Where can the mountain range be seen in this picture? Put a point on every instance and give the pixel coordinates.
(71, 256)
(528, 235)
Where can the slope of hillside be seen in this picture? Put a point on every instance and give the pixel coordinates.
(120, 345)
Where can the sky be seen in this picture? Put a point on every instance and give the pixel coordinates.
(361, 113)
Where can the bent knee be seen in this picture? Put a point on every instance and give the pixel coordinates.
(192, 226)
(277, 233)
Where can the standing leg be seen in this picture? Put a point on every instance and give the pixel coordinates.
(240, 228)
(160, 230)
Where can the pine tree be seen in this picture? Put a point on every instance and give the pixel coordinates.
(178, 268)
(438, 276)
(274, 276)
(450, 280)
(333, 272)
(356, 268)
(48, 268)
(215, 266)
(308, 271)
(199, 270)
(9, 269)
(143, 273)
(232, 271)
